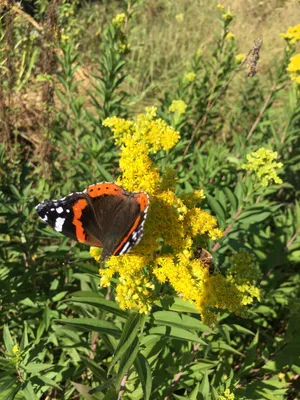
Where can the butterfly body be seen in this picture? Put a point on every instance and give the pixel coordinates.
(104, 215)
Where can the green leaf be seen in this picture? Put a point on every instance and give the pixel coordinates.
(7, 382)
(130, 332)
(83, 390)
(29, 392)
(9, 344)
(144, 372)
(238, 328)
(99, 372)
(194, 394)
(170, 318)
(175, 333)
(108, 384)
(24, 340)
(92, 325)
(232, 199)
(15, 192)
(202, 364)
(101, 303)
(252, 217)
(251, 356)
(217, 208)
(204, 387)
(11, 394)
(224, 346)
(126, 362)
(177, 304)
(34, 368)
(42, 380)
(105, 173)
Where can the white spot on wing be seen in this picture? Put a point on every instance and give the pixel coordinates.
(125, 248)
(59, 224)
(59, 210)
(45, 218)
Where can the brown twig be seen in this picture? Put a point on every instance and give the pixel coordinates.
(263, 109)
(23, 14)
(293, 238)
(123, 387)
(17, 10)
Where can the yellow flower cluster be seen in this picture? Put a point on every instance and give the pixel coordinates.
(229, 36)
(227, 395)
(292, 35)
(294, 68)
(119, 19)
(166, 251)
(16, 349)
(243, 273)
(178, 106)
(124, 48)
(179, 17)
(220, 7)
(239, 58)
(227, 17)
(134, 290)
(190, 76)
(262, 162)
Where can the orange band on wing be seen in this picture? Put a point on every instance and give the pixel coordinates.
(133, 228)
(142, 199)
(81, 235)
(77, 211)
(99, 189)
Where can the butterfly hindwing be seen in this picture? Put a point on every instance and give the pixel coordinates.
(120, 214)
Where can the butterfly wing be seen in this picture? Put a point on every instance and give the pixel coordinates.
(120, 214)
(104, 215)
(65, 216)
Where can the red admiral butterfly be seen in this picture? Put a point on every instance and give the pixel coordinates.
(104, 215)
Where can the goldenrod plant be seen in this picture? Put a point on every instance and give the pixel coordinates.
(189, 104)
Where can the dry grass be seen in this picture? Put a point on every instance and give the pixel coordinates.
(162, 45)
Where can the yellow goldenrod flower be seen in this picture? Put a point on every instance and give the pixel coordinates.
(199, 53)
(262, 162)
(15, 349)
(124, 48)
(119, 19)
(189, 76)
(239, 58)
(294, 68)
(220, 7)
(166, 251)
(227, 17)
(191, 199)
(179, 17)
(178, 106)
(227, 395)
(243, 273)
(292, 35)
(96, 252)
(229, 36)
